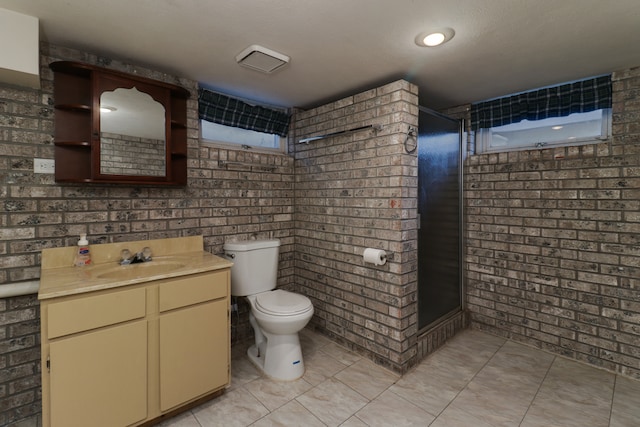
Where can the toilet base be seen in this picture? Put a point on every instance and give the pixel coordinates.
(280, 359)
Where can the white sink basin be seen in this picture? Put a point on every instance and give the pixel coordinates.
(137, 271)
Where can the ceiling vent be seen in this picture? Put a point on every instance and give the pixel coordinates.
(261, 59)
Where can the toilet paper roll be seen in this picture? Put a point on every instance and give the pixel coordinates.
(375, 256)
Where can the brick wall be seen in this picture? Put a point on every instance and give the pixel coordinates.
(552, 236)
(20, 394)
(352, 192)
(36, 213)
(553, 242)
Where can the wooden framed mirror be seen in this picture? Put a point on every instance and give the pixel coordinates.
(111, 127)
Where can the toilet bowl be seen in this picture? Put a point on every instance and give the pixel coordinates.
(276, 315)
(277, 351)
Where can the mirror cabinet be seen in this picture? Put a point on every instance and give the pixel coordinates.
(112, 127)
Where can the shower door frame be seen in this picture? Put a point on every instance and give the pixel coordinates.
(461, 157)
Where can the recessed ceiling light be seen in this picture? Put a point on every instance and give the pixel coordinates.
(434, 38)
(556, 127)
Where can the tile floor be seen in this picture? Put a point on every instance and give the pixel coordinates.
(475, 380)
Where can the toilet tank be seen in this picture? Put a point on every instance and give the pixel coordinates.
(255, 266)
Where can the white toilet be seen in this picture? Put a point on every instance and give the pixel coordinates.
(276, 315)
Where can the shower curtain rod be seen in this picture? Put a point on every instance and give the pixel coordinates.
(342, 132)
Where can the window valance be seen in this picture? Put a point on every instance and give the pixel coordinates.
(558, 101)
(228, 111)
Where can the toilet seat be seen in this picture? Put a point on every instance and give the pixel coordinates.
(282, 303)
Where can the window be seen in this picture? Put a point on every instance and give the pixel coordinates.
(232, 135)
(569, 114)
(574, 129)
(231, 120)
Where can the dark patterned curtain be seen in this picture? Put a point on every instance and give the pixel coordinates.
(557, 101)
(228, 111)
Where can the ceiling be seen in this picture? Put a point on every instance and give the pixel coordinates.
(340, 47)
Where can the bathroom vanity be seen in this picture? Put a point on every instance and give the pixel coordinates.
(125, 345)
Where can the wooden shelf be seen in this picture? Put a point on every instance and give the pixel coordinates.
(73, 143)
(74, 107)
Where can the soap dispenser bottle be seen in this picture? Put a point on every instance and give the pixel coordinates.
(83, 256)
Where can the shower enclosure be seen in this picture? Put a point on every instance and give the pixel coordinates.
(440, 218)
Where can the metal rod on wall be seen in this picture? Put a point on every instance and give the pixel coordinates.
(342, 132)
(227, 164)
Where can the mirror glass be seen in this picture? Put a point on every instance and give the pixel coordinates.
(132, 134)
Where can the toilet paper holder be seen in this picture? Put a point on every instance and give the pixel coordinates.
(375, 256)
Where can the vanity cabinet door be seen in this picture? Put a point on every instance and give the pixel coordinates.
(194, 352)
(100, 378)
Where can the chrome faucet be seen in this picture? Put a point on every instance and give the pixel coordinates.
(126, 257)
(145, 255)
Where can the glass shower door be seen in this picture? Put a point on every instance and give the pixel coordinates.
(439, 208)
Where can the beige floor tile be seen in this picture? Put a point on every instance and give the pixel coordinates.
(466, 351)
(451, 367)
(496, 407)
(625, 411)
(475, 380)
(389, 409)
(565, 419)
(475, 342)
(501, 392)
(332, 402)
(515, 357)
(440, 377)
(457, 418)
(431, 389)
(291, 414)
(367, 378)
(353, 422)
(466, 362)
(516, 367)
(238, 408)
(186, 419)
(242, 372)
(34, 421)
(311, 341)
(580, 377)
(341, 354)
(274, 394)
(572, 394)
(319, 366)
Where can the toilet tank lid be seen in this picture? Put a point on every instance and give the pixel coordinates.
(250, 245)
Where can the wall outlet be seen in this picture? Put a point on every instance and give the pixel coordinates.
(43, 166)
